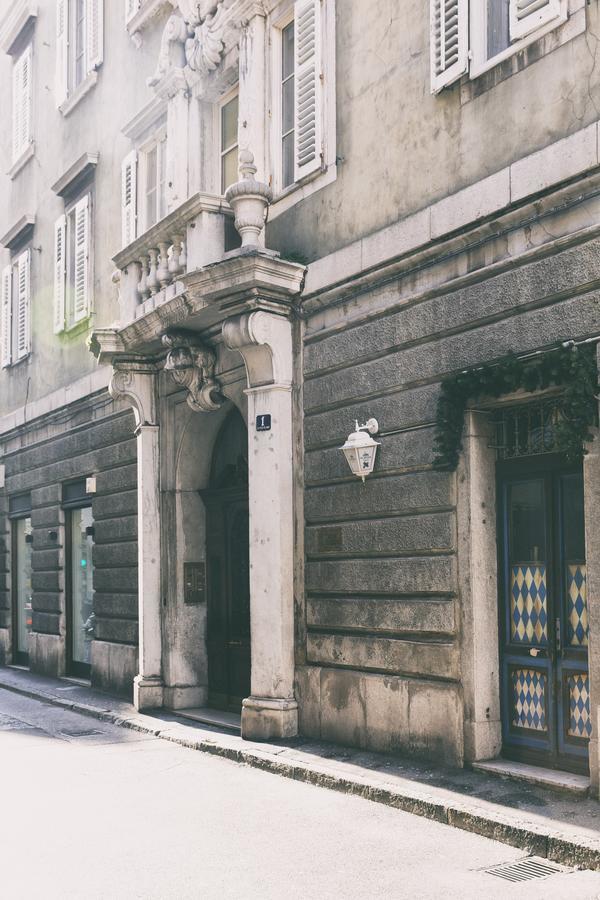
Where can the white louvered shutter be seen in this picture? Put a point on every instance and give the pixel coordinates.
(23, 310)
(62, 60)
(309, 87)
(22, 103)
(527, 15)
(60, 270)
(81, 300)
(6, 318)
(131, 7)
(95, 33)
(449, 41)
(129, 198)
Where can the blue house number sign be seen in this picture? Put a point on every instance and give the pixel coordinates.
(263, 423)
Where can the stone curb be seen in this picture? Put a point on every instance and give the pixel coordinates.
(532, 838)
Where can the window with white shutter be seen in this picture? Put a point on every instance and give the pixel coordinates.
(81, 260)
(6, 317)
(449, 22)
(129, 198)
(95, 33)
(79, 43)
(308, 82)
(21, 97)
(72, 251)
(62, 57)
(528, 15)
(23, 305)
(60, 236)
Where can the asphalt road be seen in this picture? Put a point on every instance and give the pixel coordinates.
(90, 811)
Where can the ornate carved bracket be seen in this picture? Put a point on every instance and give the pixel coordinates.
(195, 37)
(191, 43)
(135, 382)
(192, 365)
(265, 342)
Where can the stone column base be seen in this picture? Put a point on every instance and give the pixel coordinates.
(265, 719)
(180, 696)
(147, 692)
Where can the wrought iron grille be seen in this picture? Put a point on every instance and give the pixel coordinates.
(527, 430)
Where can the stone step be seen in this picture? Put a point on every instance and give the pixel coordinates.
(553, 779)
(216, 718)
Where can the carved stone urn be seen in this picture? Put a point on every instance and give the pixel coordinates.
(249, 200)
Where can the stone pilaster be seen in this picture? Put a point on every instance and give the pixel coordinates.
(252, 89)
(136, 383)
(265, 342)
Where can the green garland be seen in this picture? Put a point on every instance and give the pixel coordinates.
(570, 366)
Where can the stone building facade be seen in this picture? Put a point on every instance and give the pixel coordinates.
(268, 220)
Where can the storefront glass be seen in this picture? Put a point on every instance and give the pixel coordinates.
(23, 592)
(82, 586)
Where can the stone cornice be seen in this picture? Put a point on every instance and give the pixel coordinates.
(148, 10)
(86, 163)
(239, 284)
(151, 113)
(17, 233)
(14, 23)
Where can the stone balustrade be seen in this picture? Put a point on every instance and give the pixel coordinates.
(194, 235)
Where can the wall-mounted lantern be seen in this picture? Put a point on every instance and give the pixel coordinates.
(360, 449)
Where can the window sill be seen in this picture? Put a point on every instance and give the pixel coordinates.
(67, 107)
(21, 161)
(148, 10)
(75, 328)
(301, 190)
(484, 75)
(12, 366)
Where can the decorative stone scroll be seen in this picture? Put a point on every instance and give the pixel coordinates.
(192, 365)
(193, 40)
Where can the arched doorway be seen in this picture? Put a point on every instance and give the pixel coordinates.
(227, 545)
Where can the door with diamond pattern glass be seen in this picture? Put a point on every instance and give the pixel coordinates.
(543, 616)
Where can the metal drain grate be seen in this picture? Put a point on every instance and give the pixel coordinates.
(79, 732)
(526, 869)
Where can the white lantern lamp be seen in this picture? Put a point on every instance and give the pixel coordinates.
(360, 449)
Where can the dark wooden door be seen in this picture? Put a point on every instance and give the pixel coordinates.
(228, 630)
(543, 616)
(228, 539)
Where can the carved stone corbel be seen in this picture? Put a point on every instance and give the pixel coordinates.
(172, 49)
(204, 49)
(135, 382)
(192, 365)
(265, 342)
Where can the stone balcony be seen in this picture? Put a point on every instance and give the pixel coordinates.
(150, 269)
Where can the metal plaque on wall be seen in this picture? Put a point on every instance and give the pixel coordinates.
(330, 540)
(194, 580)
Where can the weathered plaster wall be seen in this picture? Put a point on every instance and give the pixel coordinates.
(94, 126)
(401, 148)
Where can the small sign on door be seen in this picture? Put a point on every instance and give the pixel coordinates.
(263, 423)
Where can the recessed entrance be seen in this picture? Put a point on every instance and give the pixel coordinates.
(545, 696)
(227, 521)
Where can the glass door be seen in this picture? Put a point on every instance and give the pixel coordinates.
(80, 610)
(22, 590)
(543, 617)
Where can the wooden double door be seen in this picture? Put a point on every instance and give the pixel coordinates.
(545, 698)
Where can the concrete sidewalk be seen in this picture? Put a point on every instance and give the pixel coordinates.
(559, 827)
